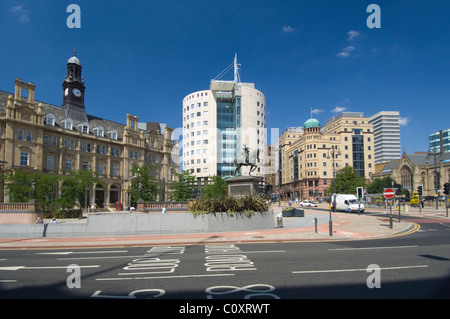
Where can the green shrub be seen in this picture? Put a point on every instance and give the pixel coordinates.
(226, 204)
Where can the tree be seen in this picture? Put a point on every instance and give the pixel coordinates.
(142, 185)
(19, 186)
(75, 188)
(378, 185)
(217, 189)
(44, 189)
(349, 181)
(183, 189)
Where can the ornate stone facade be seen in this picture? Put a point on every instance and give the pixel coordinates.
(412, 170)
(38, 136)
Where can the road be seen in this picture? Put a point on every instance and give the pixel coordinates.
(412, 266)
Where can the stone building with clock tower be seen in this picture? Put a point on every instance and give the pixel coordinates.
(41, 137)
(73, 91)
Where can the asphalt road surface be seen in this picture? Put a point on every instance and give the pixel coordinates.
(412, 266)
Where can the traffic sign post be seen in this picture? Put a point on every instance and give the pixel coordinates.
(389, 193)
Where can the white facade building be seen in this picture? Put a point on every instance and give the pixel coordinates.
(218, 123)
(386, 129)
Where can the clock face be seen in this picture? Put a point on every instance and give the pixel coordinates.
(66, 92)
(76, 92)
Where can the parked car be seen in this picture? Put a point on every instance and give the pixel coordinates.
(308, 203)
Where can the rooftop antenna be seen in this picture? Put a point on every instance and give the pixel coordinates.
(234, 65)
(237, 78)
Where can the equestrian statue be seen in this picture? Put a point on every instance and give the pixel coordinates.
(247, 162)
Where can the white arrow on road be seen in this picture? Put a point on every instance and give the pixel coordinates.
(14, 268)
(82, 252)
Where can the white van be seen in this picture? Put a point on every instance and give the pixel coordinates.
(345, 202)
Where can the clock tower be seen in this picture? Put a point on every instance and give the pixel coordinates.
(73, 91)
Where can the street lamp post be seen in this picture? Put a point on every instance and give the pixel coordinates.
(333, 154)
(436, 175)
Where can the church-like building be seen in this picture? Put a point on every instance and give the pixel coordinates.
(37, 136)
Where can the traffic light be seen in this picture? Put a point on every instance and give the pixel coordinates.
(420, 190)
(399, 188)
(359, 191)
(446, 188)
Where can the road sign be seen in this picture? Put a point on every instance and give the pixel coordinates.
(389, 193)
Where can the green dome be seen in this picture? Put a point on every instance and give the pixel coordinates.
(311, 123)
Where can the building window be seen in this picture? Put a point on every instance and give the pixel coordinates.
(84, 127)
(113, 134)
(115, 170)
(68, 164)
(101, 168)
(86, 166)
(100, 131)
(50, 162)
(46, 140)
(20, 134)
(54, 141)
(24, 159)
(49, 120)
(68, 124)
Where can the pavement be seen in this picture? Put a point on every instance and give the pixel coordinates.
(345, 226)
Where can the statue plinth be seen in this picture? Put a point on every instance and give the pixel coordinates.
(240, 186)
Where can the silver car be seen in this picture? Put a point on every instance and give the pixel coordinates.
(308, 203)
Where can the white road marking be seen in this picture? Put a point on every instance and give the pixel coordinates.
(164, 277)
(354, 270)
(367, 248)
(14, 268)
(83, 252)
(263, 251)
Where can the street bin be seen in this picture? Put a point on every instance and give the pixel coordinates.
(280, 221)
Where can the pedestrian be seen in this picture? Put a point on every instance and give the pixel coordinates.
(53, 221)
(164, 209)
(39, 221)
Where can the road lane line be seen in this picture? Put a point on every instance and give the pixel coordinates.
(105, 257)
(355, 270)
(262, 251)
(164, 277)
(367, 248)
(14, 268)
(83, 252)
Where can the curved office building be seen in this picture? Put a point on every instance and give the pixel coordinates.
(218, 124)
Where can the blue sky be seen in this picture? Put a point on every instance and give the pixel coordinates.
(143, 57)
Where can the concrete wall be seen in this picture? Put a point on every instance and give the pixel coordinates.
(18, 217)
(106, 224)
